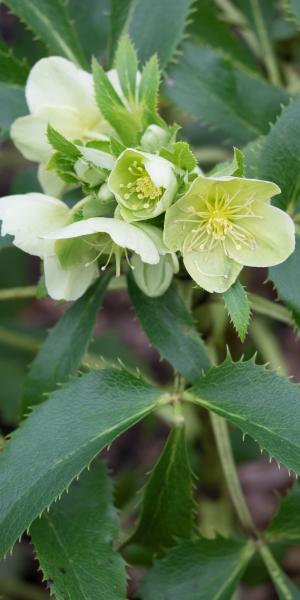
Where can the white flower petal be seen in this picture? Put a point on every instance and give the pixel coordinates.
(56, 81)
(29, 135)
(123, 234)
(50, 182)
(28, 217)
(115, 82)
(160, 170)
(213, 271)
(67, 284)
(101, 159)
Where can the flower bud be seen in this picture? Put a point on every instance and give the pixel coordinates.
(154, 280)
(89, 173)
(104, 194)
(154, 138)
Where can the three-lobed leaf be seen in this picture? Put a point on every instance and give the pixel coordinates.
(74, 541)
(238, 308)
(65, 346)
(167, 502)
(60, 439)
(198, 570)
(261, 403)
(170, 328)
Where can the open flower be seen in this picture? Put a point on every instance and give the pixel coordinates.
(59, 93)
(223, 223)
(29, 218)
(144, 184)
(154, 280)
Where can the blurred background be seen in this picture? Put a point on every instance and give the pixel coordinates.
(24, 324)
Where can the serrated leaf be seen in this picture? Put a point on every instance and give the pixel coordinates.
(60, 355)
(235, 168)
(261, 403)
(12, 105)
(198, 570)
(61, 144)
(74, 541)
(293, 10)
(12, 70)
(91, 23)
(126, 65)
(287, 281)
(154, 27)
(209, 29)
(60, 439)
(206, 84)
(125, 123)
(285, 525)
(167, 503)
(149, 84)
(50, 21)
(181, 155)
(238, 308)
(278, 156)
(170, 328)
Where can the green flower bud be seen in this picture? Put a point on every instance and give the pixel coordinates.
(154, 280)
(154, 138)
(88, 173)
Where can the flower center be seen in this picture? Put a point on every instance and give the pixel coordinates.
(141, 188)
(218, 222)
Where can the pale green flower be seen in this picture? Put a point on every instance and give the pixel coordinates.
(108, 237)
(144, 184)
(154, 280)
(224, 223)
(29, 218)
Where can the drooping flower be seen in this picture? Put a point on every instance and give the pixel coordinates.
(59, 93)
(144, 184)
(154, 280)
(224, 223)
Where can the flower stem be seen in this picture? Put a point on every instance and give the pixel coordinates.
(275, 573)
(270, 309)
(265, 43)
(18, 293)
(220, 429)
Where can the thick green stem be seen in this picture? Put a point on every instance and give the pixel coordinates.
(18, 293)
(227, 460)
(21, 590)
(265, 43)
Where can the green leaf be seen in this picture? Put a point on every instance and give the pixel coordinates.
(278, 156)
(154, 27)
(61, 144)
(12, 70)
(206, 84)
(209, 29)
(12, 105)
(293, 10)
(261, 403)
(126, 65)
(285, 525)
(125, 123)
(181, 155)
(198, 570)
(74, 541)
(149, 85)
(284, 586)
(170, 328)
(65, 346)
(91, 23)
(60, 438)
(167, 503)
(235, 168)
(285, 278)
(50, 21)
(238, 308)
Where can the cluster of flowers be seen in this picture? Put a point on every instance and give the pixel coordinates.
(147, 205)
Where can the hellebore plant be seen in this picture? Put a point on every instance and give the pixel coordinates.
(127, 205)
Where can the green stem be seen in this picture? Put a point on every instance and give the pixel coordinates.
(220, 428)
(270, 309)
(266, 45)
(275, 572)
(21, 590)
(18, 293)
(266, 342)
